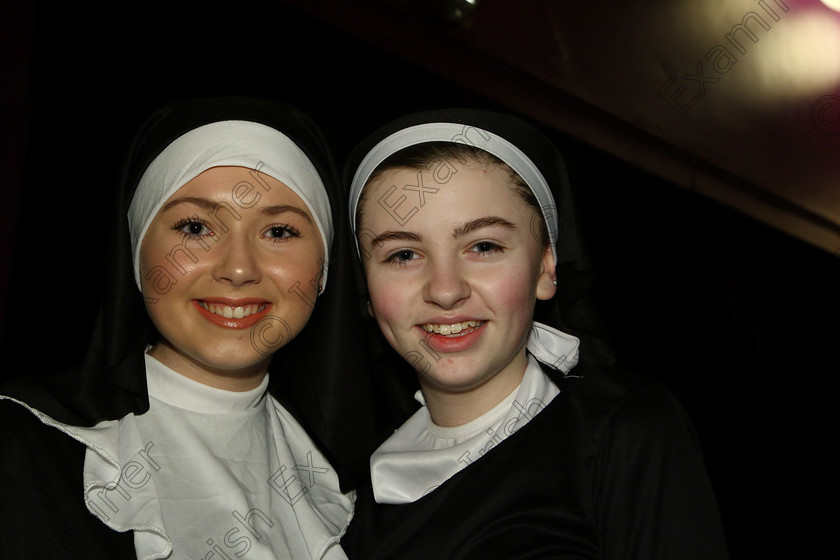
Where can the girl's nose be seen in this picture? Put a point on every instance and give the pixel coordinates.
(446, 285)
(236, 260)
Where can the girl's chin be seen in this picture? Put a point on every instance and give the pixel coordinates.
(233, 363)
(235, 366)
(465, 374)
(460, 380)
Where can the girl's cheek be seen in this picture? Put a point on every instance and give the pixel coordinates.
(514, 288)
(387, 304)
(389, 299)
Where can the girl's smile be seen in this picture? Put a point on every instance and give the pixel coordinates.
(233, 314)
(453, 336)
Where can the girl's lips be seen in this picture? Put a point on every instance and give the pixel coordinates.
(243, 313)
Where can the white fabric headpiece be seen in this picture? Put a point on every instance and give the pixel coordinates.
(228, 143)
(463, 134)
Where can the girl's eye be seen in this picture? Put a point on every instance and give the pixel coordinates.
(192, 228)
(401, 257)
(486, 248)
(281, 233)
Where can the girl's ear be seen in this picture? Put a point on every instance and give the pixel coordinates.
(547, 279)
(366, 306)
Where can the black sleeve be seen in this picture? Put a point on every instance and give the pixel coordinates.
(42, 509)
(653, 497)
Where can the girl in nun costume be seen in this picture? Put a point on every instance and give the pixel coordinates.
(172, 440)
(527, 443)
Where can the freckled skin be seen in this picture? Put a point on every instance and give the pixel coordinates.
(439, 276)
(255, 258)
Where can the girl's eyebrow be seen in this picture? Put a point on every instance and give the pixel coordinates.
(396, 235)
(473, 225)
(487, 221)
(282, 209)
(211, 205)
(205, 203)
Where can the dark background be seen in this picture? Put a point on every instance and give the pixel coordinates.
(739, 319)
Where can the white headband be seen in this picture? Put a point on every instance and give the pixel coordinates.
(228, 143)
(463, 134)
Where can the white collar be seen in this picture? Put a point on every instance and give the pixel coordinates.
(170, 387)
(175, 477)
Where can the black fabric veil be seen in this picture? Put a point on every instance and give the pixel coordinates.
(321, 376)
(573, 308)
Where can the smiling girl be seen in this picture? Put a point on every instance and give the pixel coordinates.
(173, 440)
(527, 444)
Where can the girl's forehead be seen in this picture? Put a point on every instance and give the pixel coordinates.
(244, 187)
(400, 196)
(428, 182)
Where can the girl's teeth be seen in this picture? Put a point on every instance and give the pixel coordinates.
(447, 330)
(229, 312)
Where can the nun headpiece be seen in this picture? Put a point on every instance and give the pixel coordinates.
(238, 143)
